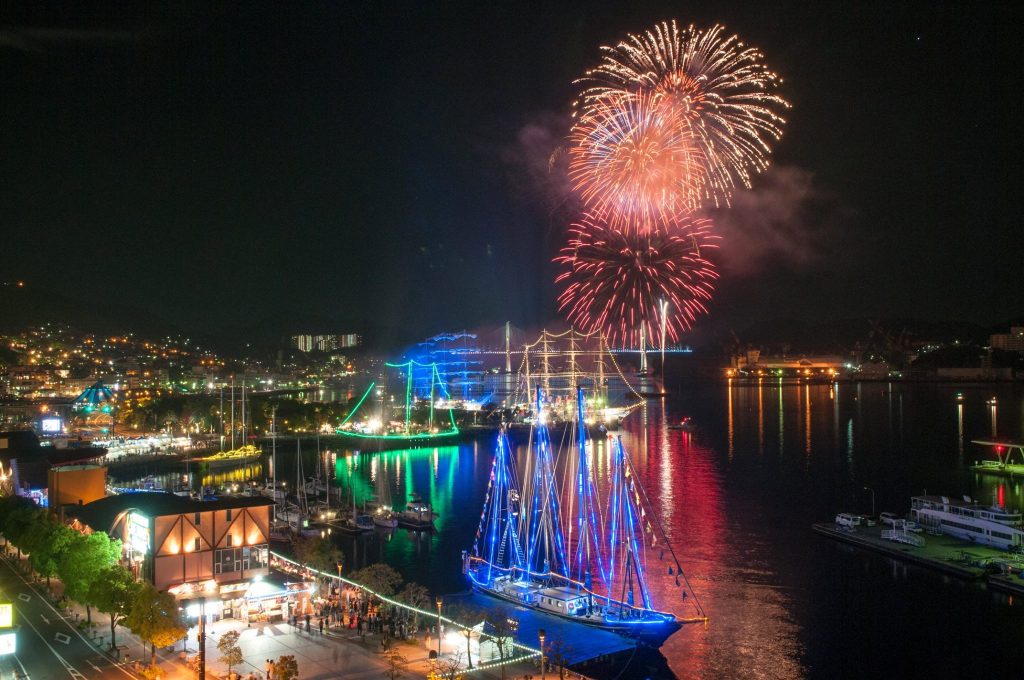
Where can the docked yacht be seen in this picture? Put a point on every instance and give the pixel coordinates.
(967, 520)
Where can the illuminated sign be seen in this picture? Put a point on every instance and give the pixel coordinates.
(8, 643)
(8, 639)
(138, 533)
(50, 424)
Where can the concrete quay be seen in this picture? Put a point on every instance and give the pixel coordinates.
(965, 560)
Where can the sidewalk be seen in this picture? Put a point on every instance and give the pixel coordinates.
(337, 653)
(129, 648)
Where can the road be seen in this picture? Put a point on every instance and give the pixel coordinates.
(49, 646)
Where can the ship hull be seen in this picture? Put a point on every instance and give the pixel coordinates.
(650, 634)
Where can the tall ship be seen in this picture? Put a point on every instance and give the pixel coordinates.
(556, 546)
(418, 420)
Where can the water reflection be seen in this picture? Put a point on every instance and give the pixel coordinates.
(736, 503)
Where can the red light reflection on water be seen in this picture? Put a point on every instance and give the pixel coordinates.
(750, 632)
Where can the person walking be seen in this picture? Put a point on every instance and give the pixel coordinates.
(270, 669)
(321, 625)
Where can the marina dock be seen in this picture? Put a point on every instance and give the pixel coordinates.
(969, 561)
(1009, 470)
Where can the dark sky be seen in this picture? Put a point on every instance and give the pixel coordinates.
(366, 159)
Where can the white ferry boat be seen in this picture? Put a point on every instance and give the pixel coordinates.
(967, 520)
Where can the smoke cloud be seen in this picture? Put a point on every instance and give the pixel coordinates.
(539, 164)
(785, 219)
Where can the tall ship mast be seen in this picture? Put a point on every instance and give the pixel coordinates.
(558, 547)
(419, 420)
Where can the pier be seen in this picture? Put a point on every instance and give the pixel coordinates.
(965, 560)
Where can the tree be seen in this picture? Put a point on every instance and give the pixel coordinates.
(501, 628)
(396, 662)
(154, 617)
(380, 578)
(230, 652)
(469, 615)
(557, 653)
(82, 563)
(113, 593)
(21, 522)
(318, 553)
(9, 505)
(415, 595)
(450, 668)
(286, 668)
(47, 544)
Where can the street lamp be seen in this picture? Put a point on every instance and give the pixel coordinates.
(439, 603)
(872, 499)
(202, 640)
(541, 635)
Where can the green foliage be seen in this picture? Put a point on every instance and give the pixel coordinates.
(318, 553)
(286, 668)
(47, 544)
(82, 562)
(154, 617)
(113, 593)
(20, 523)
(230, 652)
(380, 578)
(8, 506)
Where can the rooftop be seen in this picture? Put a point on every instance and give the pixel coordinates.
(103, 512)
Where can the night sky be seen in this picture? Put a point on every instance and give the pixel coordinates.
(269, 163)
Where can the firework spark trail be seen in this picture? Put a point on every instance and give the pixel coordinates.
(713, 89)
(632, 163)
(615, 279)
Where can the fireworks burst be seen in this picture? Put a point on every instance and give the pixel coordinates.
(710, 90)
(632, 162)
(615, 280)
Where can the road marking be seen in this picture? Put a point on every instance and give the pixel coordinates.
(94, 666)
(23, 597)
(68, 667)
(74, 673)
(44, 619)
(62, 638)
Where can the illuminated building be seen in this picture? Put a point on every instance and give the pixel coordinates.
(215, 550)
(1010, 342)
(325, 343)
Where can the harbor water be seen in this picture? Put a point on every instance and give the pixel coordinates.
(737, 496)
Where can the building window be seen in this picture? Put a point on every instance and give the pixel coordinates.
(197, 519)
(197, 545)
(229, 540)
(229, 514)
(228, 560)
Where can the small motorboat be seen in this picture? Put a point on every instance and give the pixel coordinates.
(686, 425)
(384, 518)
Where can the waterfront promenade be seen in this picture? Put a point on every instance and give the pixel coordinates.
(54, 640)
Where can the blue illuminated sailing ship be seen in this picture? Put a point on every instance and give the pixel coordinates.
(561, 549)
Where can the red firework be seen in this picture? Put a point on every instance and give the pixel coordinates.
(619, 281)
